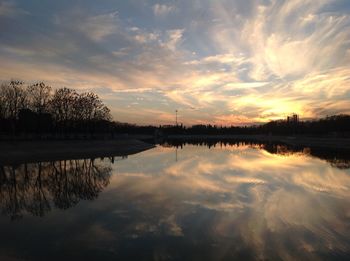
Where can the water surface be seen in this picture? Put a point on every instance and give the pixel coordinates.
(223, 202)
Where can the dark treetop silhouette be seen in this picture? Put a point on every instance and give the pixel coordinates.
(36, 109)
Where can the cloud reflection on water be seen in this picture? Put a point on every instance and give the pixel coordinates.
(286, 205)
(241, 201)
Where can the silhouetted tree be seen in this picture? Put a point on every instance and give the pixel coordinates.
(62, 106)
(39, 95)
(13, 98)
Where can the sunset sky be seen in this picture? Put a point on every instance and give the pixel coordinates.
(223, 62)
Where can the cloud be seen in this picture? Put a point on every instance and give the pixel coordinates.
(227, 58)
(96, 27)
(9, 9)
(174, 37)
(230, 60)
(283, 45)
(163, 9)
(100, 26)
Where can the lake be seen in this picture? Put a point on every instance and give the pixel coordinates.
(214, 201)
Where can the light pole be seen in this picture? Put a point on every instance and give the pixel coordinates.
(176, 117)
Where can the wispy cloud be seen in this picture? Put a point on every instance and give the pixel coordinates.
(9, 9)
(234, 62)
(163, 9)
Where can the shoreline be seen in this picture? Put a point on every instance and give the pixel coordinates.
(17, 152)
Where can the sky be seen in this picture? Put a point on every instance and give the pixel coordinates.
(233, 62)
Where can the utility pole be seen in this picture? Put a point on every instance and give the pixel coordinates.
(176, 117)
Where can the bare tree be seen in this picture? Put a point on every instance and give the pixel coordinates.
(39, 95)
(2, 101)
(36, 109)
(104, 114)
(89, 107)
(13, 98)
(62, 105)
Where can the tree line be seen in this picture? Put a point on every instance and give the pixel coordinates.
(336, 125)
(36, 108)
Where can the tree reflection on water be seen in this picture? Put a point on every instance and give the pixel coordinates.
(36, 188)
(336, 158)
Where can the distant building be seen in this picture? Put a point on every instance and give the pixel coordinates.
(294, 118)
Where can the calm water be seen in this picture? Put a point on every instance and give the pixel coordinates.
(187, 203)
